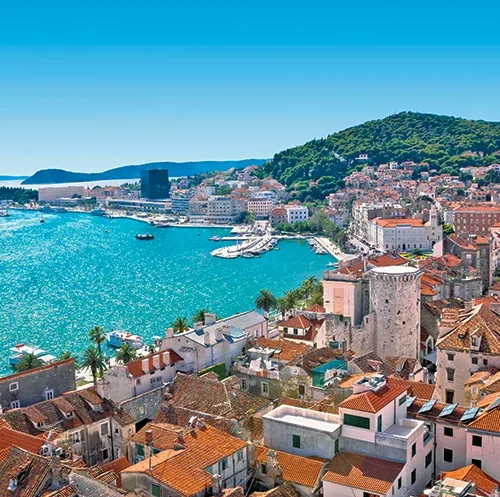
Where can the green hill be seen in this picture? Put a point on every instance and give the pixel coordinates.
(440, 141)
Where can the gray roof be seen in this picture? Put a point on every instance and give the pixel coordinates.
(238, 324)
(243, 321)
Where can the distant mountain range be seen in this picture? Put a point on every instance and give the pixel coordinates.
(11, 178)
(175, 169)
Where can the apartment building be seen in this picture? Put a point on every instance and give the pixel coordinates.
(48, 194)
(296, 213)
(373, 446)
(223, 209)
(475, 219)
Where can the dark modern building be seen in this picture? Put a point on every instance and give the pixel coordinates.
(155, 184)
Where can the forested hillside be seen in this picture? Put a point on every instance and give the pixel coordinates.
(440, 141)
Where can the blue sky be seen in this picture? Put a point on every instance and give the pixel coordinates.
(88, 86)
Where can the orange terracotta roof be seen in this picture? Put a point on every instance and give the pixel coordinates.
(364, 472)
(392, 223)
(483, 481)
(288, 348)
(118, 465)
(316, 308)
(480, 322)
(488, 421)
(183, 470)
(10, 438)
(488, 400)
(415, 388)
(135, 367)
(296, 469)
(299, 321)
(373, 401)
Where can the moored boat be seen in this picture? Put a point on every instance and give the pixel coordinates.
(119, 338)
(21, 350)
(98, 212)
(144, 236)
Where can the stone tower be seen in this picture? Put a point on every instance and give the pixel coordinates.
(395, 310)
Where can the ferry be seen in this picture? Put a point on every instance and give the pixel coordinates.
(119, 338)
(144, 236)
(21, 350)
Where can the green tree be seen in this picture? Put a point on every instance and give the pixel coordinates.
(98, 336)
(448, 229)
(126, 353)
(180, 325)
(282, 306)
(92, 359)
(266, 301)
(308, 286)
(29, 361)
(199, 315)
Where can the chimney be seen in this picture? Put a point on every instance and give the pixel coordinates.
(56, 473)
(169, 332)
(149, 437)
(166, 358)
(251, 454)
(469, 304)
(156, 361)
(201, 423)
(216, 485)
(271, 459)
(206, 339)
(145, 365)
(218, 335)
(198, 326)
(180, 437)
(209, 318)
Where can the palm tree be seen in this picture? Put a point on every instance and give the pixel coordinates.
(93, 360)
(199, 315)
(309, 285)
(97, 335)
(151, 348)
(126, 353)
(65, 355)
(291, 298)
(180, 324)
(266, 301)
(29, 361)
(282, 306)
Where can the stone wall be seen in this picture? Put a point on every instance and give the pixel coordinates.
(145, 406)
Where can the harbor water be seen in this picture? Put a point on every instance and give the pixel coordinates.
(61, 277)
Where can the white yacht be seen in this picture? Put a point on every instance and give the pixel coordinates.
(119, 338)
(21, 350)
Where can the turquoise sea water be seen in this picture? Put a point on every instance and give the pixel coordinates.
(60, 278)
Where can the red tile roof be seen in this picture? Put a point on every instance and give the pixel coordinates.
(10, 438)
(488, 421)
(183, 470)
(288, 349)
(118, 465)
(393, 223)
(364, 472)
(299, 321)
(316, 308)
(296, 469)
(484, 482)
(373, 401)
(135, 367)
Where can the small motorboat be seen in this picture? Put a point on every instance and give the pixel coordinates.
(21, 350)
(118, 338)
(215, 238)
(144, 236)
(248, 255)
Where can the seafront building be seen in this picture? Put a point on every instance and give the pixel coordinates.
(51, 193)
